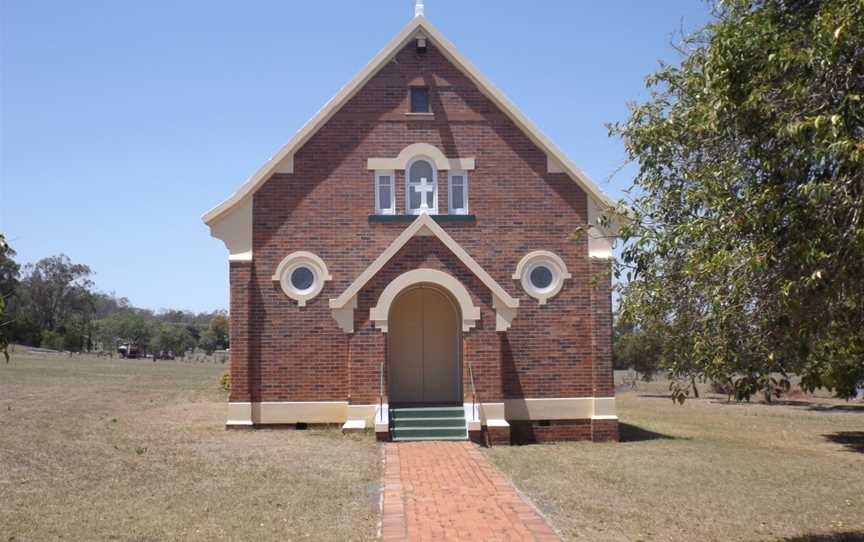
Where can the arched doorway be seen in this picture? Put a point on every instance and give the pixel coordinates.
(424, 348)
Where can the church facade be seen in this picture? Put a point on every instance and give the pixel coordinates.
(408, 264)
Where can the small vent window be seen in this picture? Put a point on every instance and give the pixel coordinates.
(419, 100)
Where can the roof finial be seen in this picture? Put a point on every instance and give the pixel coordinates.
(419, 8)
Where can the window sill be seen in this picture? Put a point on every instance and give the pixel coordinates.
(420, 115)
(412, 218)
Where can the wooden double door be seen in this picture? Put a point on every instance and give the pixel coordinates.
(424, 348)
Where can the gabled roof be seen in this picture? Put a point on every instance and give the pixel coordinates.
(423, 225)
(282, 161)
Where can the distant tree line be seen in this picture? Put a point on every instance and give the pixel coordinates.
(54, 304)
(636, 349)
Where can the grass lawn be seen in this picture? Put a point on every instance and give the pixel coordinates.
(99, 449)
(707, 470)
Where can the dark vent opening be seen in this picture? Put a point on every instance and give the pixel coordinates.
(419, 100)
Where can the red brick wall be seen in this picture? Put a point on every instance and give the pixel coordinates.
(604, 430)
(526, 432)
(296, 354)
(240, 275)
(601, 282)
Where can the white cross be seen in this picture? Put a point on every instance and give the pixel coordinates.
(419, 8)
(425, 187)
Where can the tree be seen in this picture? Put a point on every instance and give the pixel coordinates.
(209, 342)
(124, 327)
(172, 338)
(8, 282)
(52, 340)
(55, 288)
(746, 245)
(219, 328)
(4, 325)
(636, 349)
(9, 269)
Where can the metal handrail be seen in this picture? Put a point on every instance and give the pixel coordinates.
(474, 407)
(381, 393)
(475, 403)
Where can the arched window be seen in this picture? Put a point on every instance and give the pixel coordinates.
(421, 187)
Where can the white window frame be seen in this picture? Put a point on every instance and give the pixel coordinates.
(286, 268)
(464, 175)
(542, 258)
(392, 209)
(408, 166)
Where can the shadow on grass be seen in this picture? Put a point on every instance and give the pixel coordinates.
(848, 536)
(812, 406)
(852, 440)
(634, 433)
(820, 407)
(837, 408)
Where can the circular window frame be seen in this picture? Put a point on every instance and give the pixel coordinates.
(291, 263)
(542, 258)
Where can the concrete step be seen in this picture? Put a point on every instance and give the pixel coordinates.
(411, 439)
(429, 422)
(430, 433)
(427, 412)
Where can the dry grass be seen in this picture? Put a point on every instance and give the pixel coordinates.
(131, 450)
(708, 470)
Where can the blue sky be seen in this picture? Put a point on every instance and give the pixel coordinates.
(122, 122)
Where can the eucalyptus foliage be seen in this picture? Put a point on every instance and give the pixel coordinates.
(8, 280)
(4, 338)
(746, 246)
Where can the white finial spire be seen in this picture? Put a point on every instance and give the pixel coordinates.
(419, 8)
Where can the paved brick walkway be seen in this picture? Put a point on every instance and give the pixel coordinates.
(450, 491)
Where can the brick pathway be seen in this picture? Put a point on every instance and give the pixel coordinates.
(450, 491)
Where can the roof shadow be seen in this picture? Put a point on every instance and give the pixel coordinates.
(633, 433)
(853, 441)
(847, 536)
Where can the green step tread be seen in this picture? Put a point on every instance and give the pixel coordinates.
(427, 413)
(406, 439)
(425, 422)
(428, 423)
(430, 432)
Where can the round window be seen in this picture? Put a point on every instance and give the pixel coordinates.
(301, 276)
(542, 274)
(302, 279)
(541, 277)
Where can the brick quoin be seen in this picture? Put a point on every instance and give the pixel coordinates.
(283, 352)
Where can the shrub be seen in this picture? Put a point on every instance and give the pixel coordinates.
(225, 382)
(51, 340)
(720, 387)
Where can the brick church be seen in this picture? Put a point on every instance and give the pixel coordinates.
(447, 298)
